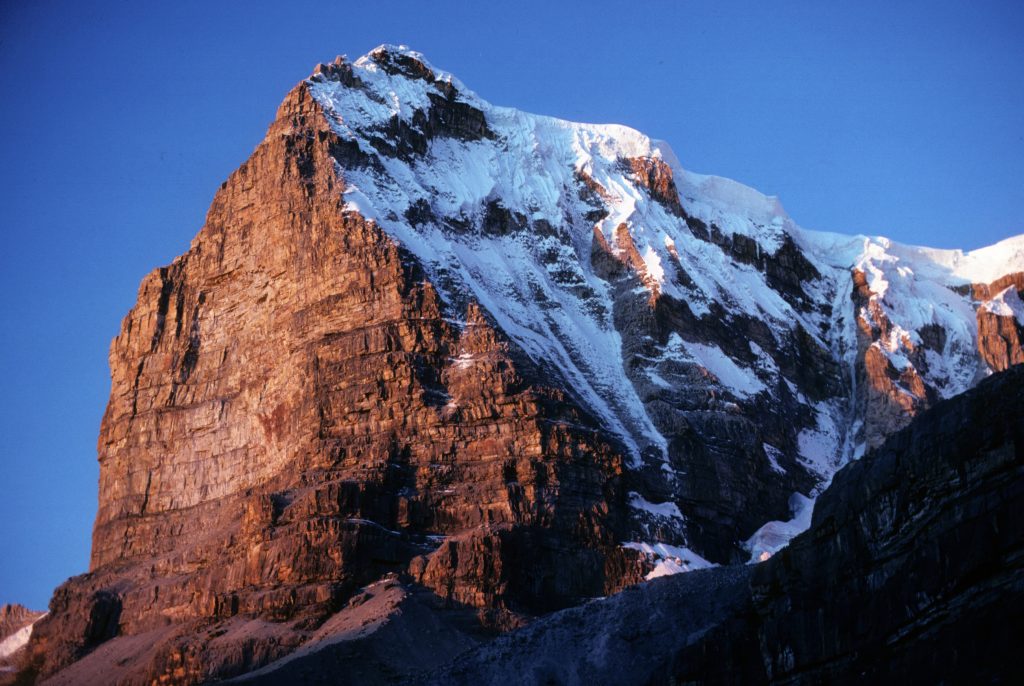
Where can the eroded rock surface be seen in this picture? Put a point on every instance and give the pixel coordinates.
(1001, 322)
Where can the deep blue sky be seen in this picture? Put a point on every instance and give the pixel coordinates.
(121, 119)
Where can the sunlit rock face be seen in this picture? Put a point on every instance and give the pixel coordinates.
(519, 361)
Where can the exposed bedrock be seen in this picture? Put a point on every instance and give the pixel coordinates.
(292, 416)
(912, 571)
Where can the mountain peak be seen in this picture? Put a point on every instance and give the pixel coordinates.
(519, 360)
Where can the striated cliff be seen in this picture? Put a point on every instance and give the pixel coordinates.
(291, 417)
(517, 361)
(911, 572)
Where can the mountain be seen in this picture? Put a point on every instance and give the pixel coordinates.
(513, 361)
(16, 624)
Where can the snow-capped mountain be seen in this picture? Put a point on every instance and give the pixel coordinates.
(454, 365)
(740, 358)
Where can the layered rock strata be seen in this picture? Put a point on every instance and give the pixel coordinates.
(292, 416)
(910, 572)
(913, 571)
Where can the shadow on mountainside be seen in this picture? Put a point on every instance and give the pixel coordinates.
(912, 569)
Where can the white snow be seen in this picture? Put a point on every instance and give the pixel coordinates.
(1006, 303)
(670, 559)
(724, 371)
(669, 510)
(17, 640)
(773, 454)
(776, 535)
(734, 207)
(819, 446)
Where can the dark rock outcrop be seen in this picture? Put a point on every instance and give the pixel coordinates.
(914, 554)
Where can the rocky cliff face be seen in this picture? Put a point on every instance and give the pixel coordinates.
(1001, 321)
(911, 572)
(522, 362)
(914, 554)
(292, 417)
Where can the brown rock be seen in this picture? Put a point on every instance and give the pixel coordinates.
(292, 416)
(987, 291)
(1000, 337)
(889, 398)
(656, 176)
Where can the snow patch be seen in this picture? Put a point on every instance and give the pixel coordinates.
(670, 559)
(776, 535)
(668, 510)
(17, 640)
(819, 446)
(773, 454)
(1006, 303)
(742, 381)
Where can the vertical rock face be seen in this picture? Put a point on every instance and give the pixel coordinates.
(890, 394)
(911, 572)
(499, 354)
(291, 416)
(1001, 322)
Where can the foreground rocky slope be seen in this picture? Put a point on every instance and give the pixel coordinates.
(520, 361)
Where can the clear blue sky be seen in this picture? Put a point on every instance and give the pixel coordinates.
(120, 120)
